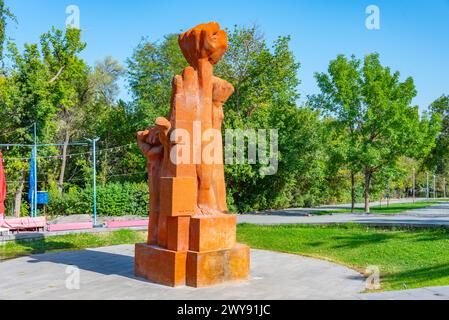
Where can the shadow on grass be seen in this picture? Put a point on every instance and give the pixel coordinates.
(359, 240)
(416, 277)
(393, 234)
(24, 248)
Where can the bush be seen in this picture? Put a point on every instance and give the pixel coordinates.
(113, 199)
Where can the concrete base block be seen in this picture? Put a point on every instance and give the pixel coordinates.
(218, 267)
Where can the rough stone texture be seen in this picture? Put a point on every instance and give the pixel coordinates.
(216, 232)
(179, 196)
(160, 266)
(178, 230)
(108, 273)
(209, 268)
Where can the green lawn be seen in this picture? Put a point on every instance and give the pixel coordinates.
(393, 208)
(70, 242)
(407, 258)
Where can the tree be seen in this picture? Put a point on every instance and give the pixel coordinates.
(265, 98)
(51, 85)
(376, 106)
(26, 101)
(342, 97)
(438, 158)
(265, 81)
(68, 82)
(5, 14)
(105, 117)
(150, 72)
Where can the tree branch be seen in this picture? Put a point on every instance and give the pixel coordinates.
(57, 75)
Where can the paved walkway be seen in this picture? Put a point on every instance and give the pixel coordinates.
(324, 208)
(437, 215)
(107, 273)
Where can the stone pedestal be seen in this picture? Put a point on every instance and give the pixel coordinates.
(160, 265)
(199, 251)
(217, 267)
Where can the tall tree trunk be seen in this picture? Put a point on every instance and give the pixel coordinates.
(352, 191)
(367, 189)
(18, 196)
(64, 161)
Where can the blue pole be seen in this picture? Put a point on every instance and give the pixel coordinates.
(94, 159)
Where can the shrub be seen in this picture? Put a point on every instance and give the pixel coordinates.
(113, 199)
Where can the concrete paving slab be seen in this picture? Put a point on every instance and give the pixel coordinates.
(107, 273)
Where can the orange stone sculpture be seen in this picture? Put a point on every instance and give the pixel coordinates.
(191, 236)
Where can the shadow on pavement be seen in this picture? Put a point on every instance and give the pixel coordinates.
(105, 263)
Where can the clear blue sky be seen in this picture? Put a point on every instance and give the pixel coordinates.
(414, 35)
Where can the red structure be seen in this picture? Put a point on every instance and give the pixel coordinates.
(192, 238)
(2, 188)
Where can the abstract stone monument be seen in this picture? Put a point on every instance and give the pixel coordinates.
(191, 238)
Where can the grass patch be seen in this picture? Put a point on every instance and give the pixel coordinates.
(407, 258)
(70, 242)
(393, 208)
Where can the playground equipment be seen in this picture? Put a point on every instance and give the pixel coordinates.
(36, 197)
(24, 224)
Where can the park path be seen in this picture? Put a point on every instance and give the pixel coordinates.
(108, 273)
(333, 207)
(436, 215)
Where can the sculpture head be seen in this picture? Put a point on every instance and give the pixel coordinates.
(204, 42)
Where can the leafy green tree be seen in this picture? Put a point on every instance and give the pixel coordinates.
(265, 81)
(342, 98)
(5, 14)
(438, 159)
(68, 83)
(26, 101)
(150, 72)
(377, 107)
(43, 86)
(109, 119)
(266, 93)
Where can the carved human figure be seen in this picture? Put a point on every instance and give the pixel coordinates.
(197, 97)
(222, 90)
(151, 143)
(203, 46)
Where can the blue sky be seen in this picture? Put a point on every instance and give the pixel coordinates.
(413, 36)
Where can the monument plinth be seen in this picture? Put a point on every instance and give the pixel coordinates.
(191, 238)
